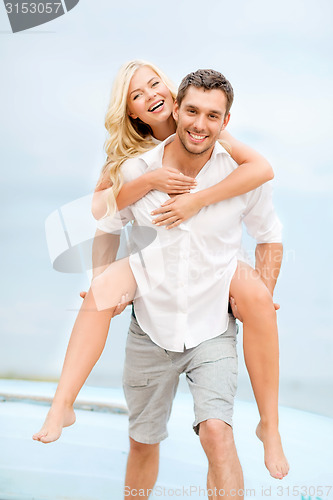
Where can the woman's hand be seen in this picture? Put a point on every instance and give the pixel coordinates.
(175, 211)
(170, 180)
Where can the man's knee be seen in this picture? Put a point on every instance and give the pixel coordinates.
(142, 449)
(215, 433)
(218, 443)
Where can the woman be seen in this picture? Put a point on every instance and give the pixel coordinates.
(140, 114)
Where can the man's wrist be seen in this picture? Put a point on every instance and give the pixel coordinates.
(270, 286)
(268, 282)
(268, 263)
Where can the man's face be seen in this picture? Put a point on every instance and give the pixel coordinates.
(200, 119)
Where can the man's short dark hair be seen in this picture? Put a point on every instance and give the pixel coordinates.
(207, 79)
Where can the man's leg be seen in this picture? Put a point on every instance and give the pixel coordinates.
(212, 377)
(225, 477)
(150, 382)
(142, 469)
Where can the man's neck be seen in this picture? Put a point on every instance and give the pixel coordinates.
(176, 156)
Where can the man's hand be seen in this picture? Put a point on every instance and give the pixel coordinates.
(175, 211)
(119, 308)
(122, 305)
(236, 312)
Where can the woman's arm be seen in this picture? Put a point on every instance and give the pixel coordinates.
(253, 171)
(169, 180)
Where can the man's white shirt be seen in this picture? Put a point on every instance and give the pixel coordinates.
(184, 275)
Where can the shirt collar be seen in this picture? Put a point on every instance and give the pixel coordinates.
(218, 150)
(153, 158)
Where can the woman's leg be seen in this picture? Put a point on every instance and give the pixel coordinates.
(261, 352)
(85, 347)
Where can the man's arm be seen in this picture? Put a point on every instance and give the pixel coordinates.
(104, 251)
(265, 227)
(107, 240)
(268, 263)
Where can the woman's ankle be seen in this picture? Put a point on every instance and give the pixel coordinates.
(62, 404)
(269, 425)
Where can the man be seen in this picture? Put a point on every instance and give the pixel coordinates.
(181, 322)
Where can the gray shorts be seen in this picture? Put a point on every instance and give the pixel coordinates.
(151, 376)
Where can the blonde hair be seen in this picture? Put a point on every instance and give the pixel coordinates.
(226, 146)
(128, 137)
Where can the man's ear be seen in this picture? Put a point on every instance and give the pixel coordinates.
(226, 121)
(175, 111)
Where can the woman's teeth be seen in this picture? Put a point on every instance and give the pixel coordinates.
(157, 105)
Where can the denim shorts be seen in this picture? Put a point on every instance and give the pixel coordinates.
(151, 376)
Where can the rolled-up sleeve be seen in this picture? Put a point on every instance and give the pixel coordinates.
(260, 218)
(114, 223)
(131, 169)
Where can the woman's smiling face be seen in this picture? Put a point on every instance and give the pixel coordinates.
(149, 99)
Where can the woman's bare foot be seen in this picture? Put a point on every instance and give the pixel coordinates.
(275, 460)
(57, 418)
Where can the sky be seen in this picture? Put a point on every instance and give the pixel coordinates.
(55, 86)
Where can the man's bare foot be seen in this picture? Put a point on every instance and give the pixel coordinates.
(275, 460)
(56, 419)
